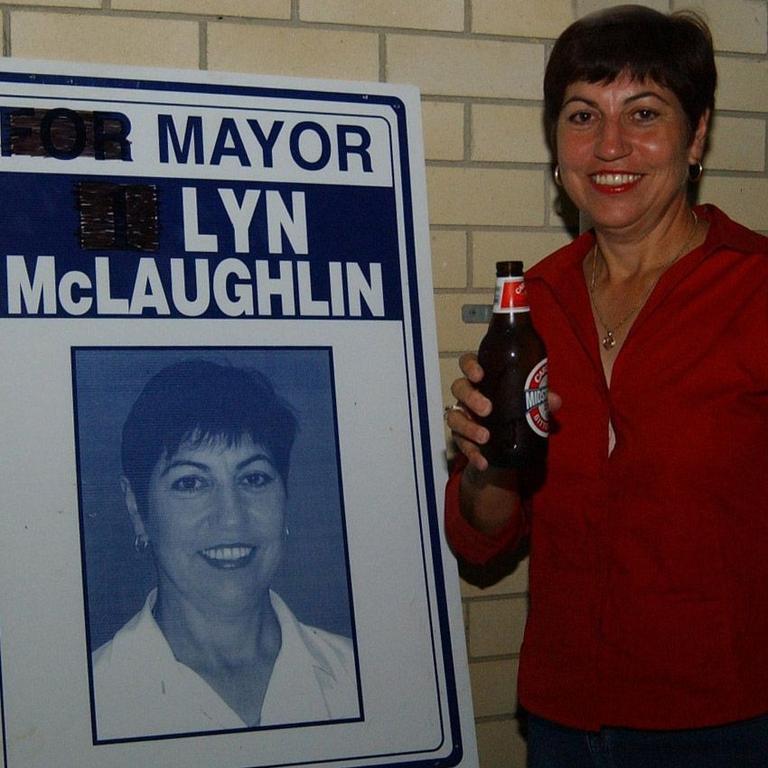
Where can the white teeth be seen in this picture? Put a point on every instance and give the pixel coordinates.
(615, 179)
(227, 553)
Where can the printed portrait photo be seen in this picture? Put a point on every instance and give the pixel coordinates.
(214, 549)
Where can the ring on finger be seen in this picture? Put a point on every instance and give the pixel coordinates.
(454, 407)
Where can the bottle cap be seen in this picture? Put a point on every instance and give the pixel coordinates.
(509, 268)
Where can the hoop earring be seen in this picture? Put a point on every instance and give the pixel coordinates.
(556, 174)
(695, 172)
(140, 543)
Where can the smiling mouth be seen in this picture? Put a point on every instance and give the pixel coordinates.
(615, 179)
(228, 557)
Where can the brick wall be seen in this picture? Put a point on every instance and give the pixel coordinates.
(479, 64)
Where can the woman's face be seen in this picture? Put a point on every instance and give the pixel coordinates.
(215, 520)
(624, 152)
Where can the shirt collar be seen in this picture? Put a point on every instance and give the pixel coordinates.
(564, 266)
(295, 692)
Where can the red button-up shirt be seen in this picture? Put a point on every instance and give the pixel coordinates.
(649, 565)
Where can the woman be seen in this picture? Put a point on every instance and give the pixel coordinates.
(645, 643)
(205, 453)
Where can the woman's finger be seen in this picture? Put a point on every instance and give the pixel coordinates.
(473, 454)
(470, 367)
(462, 425)
(469, 396)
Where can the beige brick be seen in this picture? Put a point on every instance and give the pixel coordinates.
(80, 37)
(500, 744)
(743, 84)
(736, 144)
(457, 67)
(543, 18)
(508, 134)
(449, 370)
(528, 247)
(449, 258)
(583, 7)
(292, 51)
(447, 15)
(58, 3)
(738, 25)
(443, 130)
(262, 9)
(453, 335)
(494, 687)
(742, 199)
(496, 626)
(485, 196)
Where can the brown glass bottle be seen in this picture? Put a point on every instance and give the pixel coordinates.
(514, 361)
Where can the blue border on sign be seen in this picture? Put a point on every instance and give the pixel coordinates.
(2, 709)
(399, 109)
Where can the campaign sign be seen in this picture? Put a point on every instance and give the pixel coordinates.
(222, 456)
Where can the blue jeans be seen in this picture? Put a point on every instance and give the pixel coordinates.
(737, 745)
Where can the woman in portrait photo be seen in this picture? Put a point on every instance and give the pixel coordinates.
(206, 452)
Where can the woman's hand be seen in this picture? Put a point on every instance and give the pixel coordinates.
(467, 433)
(488, 496)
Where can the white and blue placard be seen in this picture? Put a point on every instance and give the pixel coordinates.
(167, 236)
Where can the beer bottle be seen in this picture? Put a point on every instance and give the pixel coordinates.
(514, 361)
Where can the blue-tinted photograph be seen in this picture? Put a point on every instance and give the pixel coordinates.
(215, 561)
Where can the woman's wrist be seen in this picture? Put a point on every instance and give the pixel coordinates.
(488, 499)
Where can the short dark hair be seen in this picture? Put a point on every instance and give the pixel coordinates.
(673, 50)
(202, 401)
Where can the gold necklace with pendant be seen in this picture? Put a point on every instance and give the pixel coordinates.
(609, 341)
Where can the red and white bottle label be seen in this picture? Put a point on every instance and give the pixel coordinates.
(510, 295)
(536, 405)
